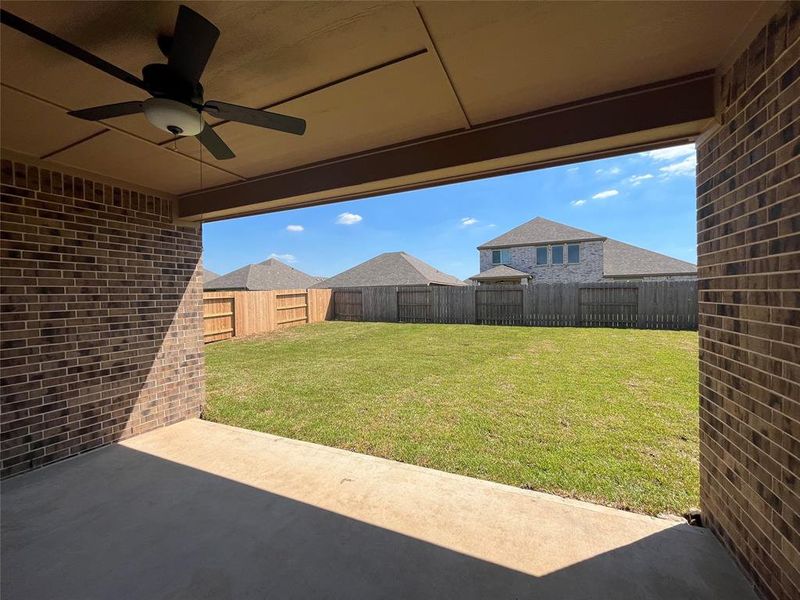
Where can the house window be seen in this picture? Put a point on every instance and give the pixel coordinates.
(541, 255)
(557, 255)
(501, 257)
(573, 254)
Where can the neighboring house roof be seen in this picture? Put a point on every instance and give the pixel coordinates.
(540, 231)
(271, 274)
(390, 268)
(209, 275)
(623, 260)
(619, 259)
(501, 272)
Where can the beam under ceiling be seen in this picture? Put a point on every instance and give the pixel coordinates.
(504, 146)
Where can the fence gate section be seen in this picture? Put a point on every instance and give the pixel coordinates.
(219, 318)
(414, 306)
(347, 305)
(291, 308)
(499, 305)
(609, 306)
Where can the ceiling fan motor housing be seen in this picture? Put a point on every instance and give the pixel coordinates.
(173, 117)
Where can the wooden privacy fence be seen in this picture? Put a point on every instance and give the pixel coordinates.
(236, 314)
(639, 304)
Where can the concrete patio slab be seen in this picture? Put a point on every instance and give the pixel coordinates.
(200, 510)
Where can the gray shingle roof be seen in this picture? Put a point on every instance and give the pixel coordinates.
(540, 231)
(390, 268)
(500, 272)
(623, 260)
(271, 274)
(209, 275)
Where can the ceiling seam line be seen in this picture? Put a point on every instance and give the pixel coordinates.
(118, 130)
(439, 59)
(73, 144)
(328, 84)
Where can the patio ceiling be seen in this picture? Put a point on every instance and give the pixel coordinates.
(396, 95)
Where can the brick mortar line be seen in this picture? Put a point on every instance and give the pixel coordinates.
(733, 417)
(780, 360)
(765, 68)
(720, 163)
(700, 360)
(711, 328)
(737, 173)
(734, 549)
(750, 259)
(747, 198)
(733, 485)
(751, 212)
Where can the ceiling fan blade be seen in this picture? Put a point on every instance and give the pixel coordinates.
(214, 144)
(107, 111)
(192, 44)
(74, 51)
(259, 118)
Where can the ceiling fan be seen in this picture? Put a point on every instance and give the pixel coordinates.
(177, 104)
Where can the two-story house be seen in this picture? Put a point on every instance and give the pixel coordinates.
(543, 251)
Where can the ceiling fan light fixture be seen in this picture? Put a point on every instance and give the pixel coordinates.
(173, 117)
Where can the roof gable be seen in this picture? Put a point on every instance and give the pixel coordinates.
(390, 268)
(270, 274)
(540, 231)
(501, 271)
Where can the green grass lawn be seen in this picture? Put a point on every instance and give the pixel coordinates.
(605, 415)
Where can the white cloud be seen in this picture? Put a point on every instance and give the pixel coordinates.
(670, 153)
(578, 202)
(611, 171)
(294, 228)
(685, 167)
(573, 169)
(637, 179)
(467, 221)
(348, 218)
(605, 194)
(289, 258)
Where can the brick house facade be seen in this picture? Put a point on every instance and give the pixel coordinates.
(598, 258)
(589, 268)
(100, 312)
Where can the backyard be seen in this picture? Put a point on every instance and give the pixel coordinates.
(605, 415)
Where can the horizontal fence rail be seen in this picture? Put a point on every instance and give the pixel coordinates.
(241, 313)
(633, 304)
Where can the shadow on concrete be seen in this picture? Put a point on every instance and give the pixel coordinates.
(118, 523)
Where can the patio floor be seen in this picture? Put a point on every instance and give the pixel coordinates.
(201, 510)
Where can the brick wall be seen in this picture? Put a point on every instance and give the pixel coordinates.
(748, 188)
(101, 316)
(589, 269)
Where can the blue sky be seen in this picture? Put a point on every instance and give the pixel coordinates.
(646, 199)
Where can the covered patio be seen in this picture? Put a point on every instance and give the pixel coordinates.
(102, 345)
(202, 510)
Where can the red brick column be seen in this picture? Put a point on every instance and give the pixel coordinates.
(100, 315)
(748, 200)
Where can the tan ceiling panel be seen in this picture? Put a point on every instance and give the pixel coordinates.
(509, 58)
(119, 156)
(34, 128)
(403, 101)
(267, 51)
(270, 51)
